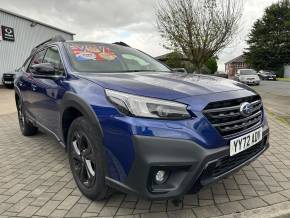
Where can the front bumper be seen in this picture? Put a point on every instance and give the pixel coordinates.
(191, 166)
(8, 81)
(270, 78)
(251, 82)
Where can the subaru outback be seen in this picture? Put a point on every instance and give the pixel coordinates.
(130, 123)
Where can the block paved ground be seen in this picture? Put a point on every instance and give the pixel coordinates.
(7, 105)
(35, 180)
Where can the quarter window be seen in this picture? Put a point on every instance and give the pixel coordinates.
(26, 64)
(37, 58)
(52, 56)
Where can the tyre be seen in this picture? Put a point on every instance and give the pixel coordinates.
(27, 128)
(87, 159)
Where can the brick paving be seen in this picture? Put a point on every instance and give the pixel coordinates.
(6, 106)
(35, 180)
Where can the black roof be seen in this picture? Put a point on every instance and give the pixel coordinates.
(56, 38)
(59, 38)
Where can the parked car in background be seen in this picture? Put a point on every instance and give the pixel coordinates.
(221, 74)
(8, 78)
(248, 76)
(181, 70)
(267, 75)
(129, 122)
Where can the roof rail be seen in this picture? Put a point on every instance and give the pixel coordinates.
(122, 44)
(57, 38)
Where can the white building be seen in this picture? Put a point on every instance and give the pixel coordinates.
(18, 35)
(287, 71)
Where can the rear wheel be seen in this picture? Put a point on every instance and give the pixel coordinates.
(27, 128)
(87, 159)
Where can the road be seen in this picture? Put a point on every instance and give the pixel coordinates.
(276, 97)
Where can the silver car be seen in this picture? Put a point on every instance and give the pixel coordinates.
(248, 76)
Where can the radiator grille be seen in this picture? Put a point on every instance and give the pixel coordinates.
(8, 77)
(226, 117)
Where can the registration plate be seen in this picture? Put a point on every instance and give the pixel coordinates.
(8, 82)
(246, 141)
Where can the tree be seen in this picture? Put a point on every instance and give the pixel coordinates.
(174, 60)
(199, 29)
(212, 65)
(269, 39)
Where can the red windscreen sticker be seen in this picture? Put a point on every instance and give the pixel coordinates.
(93, 52)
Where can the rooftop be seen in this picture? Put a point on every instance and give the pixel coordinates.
(239, 59)
(35, 21)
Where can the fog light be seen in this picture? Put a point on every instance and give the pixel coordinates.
(161, 177)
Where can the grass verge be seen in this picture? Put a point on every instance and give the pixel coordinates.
(284, 79)
(279, 118)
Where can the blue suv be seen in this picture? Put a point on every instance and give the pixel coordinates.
(130, 123)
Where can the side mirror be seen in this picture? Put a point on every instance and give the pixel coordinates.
(44, 70)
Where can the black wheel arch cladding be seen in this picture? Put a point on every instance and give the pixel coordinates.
(71, 100)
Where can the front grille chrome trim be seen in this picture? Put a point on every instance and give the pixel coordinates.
(239, 121)
(241, 126)
(226, 117)
(229, 108)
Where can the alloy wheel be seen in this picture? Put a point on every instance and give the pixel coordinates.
(83, 159)
(21, 116)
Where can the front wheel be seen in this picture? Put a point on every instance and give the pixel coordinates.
(87, 159)
(27, 128)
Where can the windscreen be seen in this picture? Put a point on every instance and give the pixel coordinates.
(103, 58)
(248, 72)
(269, 73)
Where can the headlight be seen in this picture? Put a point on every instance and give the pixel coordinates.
(133, 105)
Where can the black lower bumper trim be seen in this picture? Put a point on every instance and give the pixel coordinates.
(187, 162)
(224, 166)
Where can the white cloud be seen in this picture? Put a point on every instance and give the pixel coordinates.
(253, 10)
(132, 21)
